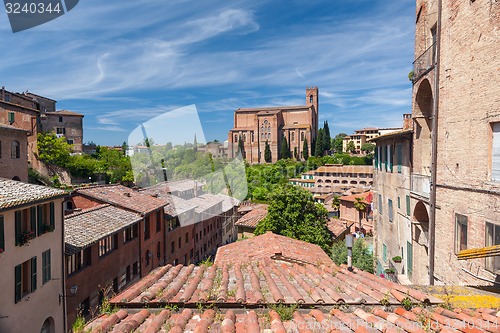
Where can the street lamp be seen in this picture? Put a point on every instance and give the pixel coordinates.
(72, 291)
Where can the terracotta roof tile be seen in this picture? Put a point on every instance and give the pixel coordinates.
(84, 228)
(253, 217)
(124, 197)
(15, 193)
(12, 128)
(265, 246)
(367, 197)
(174, 205)
(346, 168)
(65, 113)
(374, 319)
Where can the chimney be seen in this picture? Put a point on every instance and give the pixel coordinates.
(407, 121)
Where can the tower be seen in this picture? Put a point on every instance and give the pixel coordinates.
(312, 99)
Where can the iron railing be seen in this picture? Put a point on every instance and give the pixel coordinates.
(424, 63)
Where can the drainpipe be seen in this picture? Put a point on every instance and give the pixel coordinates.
(435, 109)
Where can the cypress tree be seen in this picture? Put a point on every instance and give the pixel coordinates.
(327, 139)
(267, 153)
(305, 150)
(241, 147)
(318, 151)
(195, 144)
(285, 151)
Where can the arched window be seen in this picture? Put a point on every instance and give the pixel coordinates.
(302, 136)
(310, 98)
(244, 138)
(253, 138)
(235, 138)
(16, 149)
(293, 136)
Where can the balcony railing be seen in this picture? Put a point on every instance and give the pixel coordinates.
(424, 63)
(421, 185)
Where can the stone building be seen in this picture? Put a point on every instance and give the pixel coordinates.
(13, 153)
(456, 140)
(391, 202)
(66, 124)
(256, 126)
(31, 257)
(364, 135)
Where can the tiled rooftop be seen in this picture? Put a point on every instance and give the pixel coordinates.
(175, 205)
(15, 193)
(270, 281)
(12, 128)
(205, 202)
(367, 197)
(125, 197)
(376, 319)
(253, 217)
(177, 185)
(228, 202)
(346, 168)
(82, 229)
(65, 113)
(273, 108)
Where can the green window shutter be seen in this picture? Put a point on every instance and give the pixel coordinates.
(52, 215)
(384, 154)
(33, 274)
(384, 252)
(46, 271)
(33, 221)
(400, 157)
(399, 203)
(41, 221)
(2, 235)
(390, 158)
(408, 205)
(18, 283)
(18, 227)
(376, 157)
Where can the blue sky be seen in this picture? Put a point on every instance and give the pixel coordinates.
(124, 62)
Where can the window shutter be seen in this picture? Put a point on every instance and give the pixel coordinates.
(408, 205)
(389, 158)
(495, 151)
(52, 215)
(2, 236)
(18, 283)
(400, 157)
(18, 226)
(376, 157)
(33, 274)
(41, 221)
(33, 219)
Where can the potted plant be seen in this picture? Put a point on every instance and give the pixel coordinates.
(390, 271)
(397, 259)
(47, 228)
(26, 236)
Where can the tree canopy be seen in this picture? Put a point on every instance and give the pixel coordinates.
(338, 142)
(293, 213)
(368, 148)
(362, 258)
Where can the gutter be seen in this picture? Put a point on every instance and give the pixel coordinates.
(434, 134)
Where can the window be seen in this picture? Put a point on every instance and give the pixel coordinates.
(11, 117)
(84, 307)
(108, 244)
(2, 235)
(0, 149)
(191, 253)
(135, 268)
(77, 261)
(388, 163)
(293, 136)
(493, 238)
(495, 151)
(60, 130)
(158, 250)
(25, 279)
(187, 237)
(70, 141)
(147, 228)
(399, 203)
(380, 203)
(158, 221)
(15, 150)
(384, 252)
(172, 247)
(391, 217)
(235, 138)
(179, 242)
(302, 136)
(399, 156)
(460, 232)
(408, 207)
(46, 271)
(60, 119)
(130, 233)
(148, 257)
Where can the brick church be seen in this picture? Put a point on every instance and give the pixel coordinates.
(255, 126)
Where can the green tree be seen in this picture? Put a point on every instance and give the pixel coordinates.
(338, 142)
(53, 150)
(296, 153)
(124, 148)
(360, 206)
(368, 148)
(318, 150)
(305, 150)
(293, 213)
(241, 147)
(336, 204)
(284, 150)
(327, 140)
(267, 153)
(362, 258)
(351, 147)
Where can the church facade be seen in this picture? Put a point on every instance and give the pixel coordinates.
(256, 126)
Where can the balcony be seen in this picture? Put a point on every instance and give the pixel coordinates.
(421, 185)
(424, 63)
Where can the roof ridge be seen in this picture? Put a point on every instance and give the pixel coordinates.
(88, 210)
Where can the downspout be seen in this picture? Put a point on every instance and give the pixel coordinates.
(65, 312)
(435, 112)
